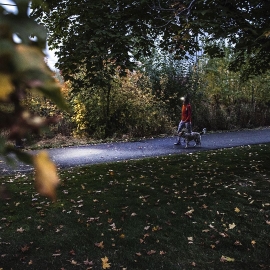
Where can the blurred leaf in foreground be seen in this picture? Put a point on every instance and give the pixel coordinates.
(46, 179)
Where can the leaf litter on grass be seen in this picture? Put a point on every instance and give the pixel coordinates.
(205, 210)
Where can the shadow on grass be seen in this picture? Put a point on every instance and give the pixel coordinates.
(206, 210)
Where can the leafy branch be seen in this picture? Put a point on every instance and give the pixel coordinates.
(23, 69)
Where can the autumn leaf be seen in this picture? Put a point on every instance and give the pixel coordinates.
(20, 230)
(25, 248)
(150, 252)
(190, 240)
(46, 178)
(73, 262)
(100, 245)
(226, 259)
(253, 242)
(237, 243)
(232, 226)
(189, 213)
(89, 263)
(6, 86)
(105, 264)
(236, 209)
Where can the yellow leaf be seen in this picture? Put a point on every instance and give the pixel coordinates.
(236, 209)
(46, 178)
(226, 259)
(231, 226)
(253, 242)
(5, 86)
(105, 264)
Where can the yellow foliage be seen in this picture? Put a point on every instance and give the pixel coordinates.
(46, 178)
(6, 86)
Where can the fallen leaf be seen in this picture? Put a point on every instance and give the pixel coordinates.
(20, 230)
(105, 263)
(237, 243)
(236, 209)
(267, 222)
(231, 226)
(253, 242)
(156, 228)
(189, 213)
(190, 240)
(25, 248)
(90, 263)
(223, 234)
(56, 254)
(73, 262)
(150, 252)
(100, 245)
(72, 252)
(226, 259)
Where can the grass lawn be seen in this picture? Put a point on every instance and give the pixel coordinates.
(206, 210)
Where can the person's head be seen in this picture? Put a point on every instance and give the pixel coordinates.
(185, 99)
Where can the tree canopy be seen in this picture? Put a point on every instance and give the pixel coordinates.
(109, 34)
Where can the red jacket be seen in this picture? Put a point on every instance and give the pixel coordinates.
(186, 113)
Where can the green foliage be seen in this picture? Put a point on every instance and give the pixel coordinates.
(23, 69)
(227, 102)
(122, 108)
(169, 80)
(117, 33)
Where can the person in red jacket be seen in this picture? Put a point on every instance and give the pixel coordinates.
(185, 121)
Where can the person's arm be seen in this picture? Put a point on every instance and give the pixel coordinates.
(188, 118)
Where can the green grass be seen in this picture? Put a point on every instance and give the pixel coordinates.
(177, 212)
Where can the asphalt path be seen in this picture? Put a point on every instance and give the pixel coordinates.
(119, 151)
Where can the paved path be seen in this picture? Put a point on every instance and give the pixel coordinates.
(113, 152)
